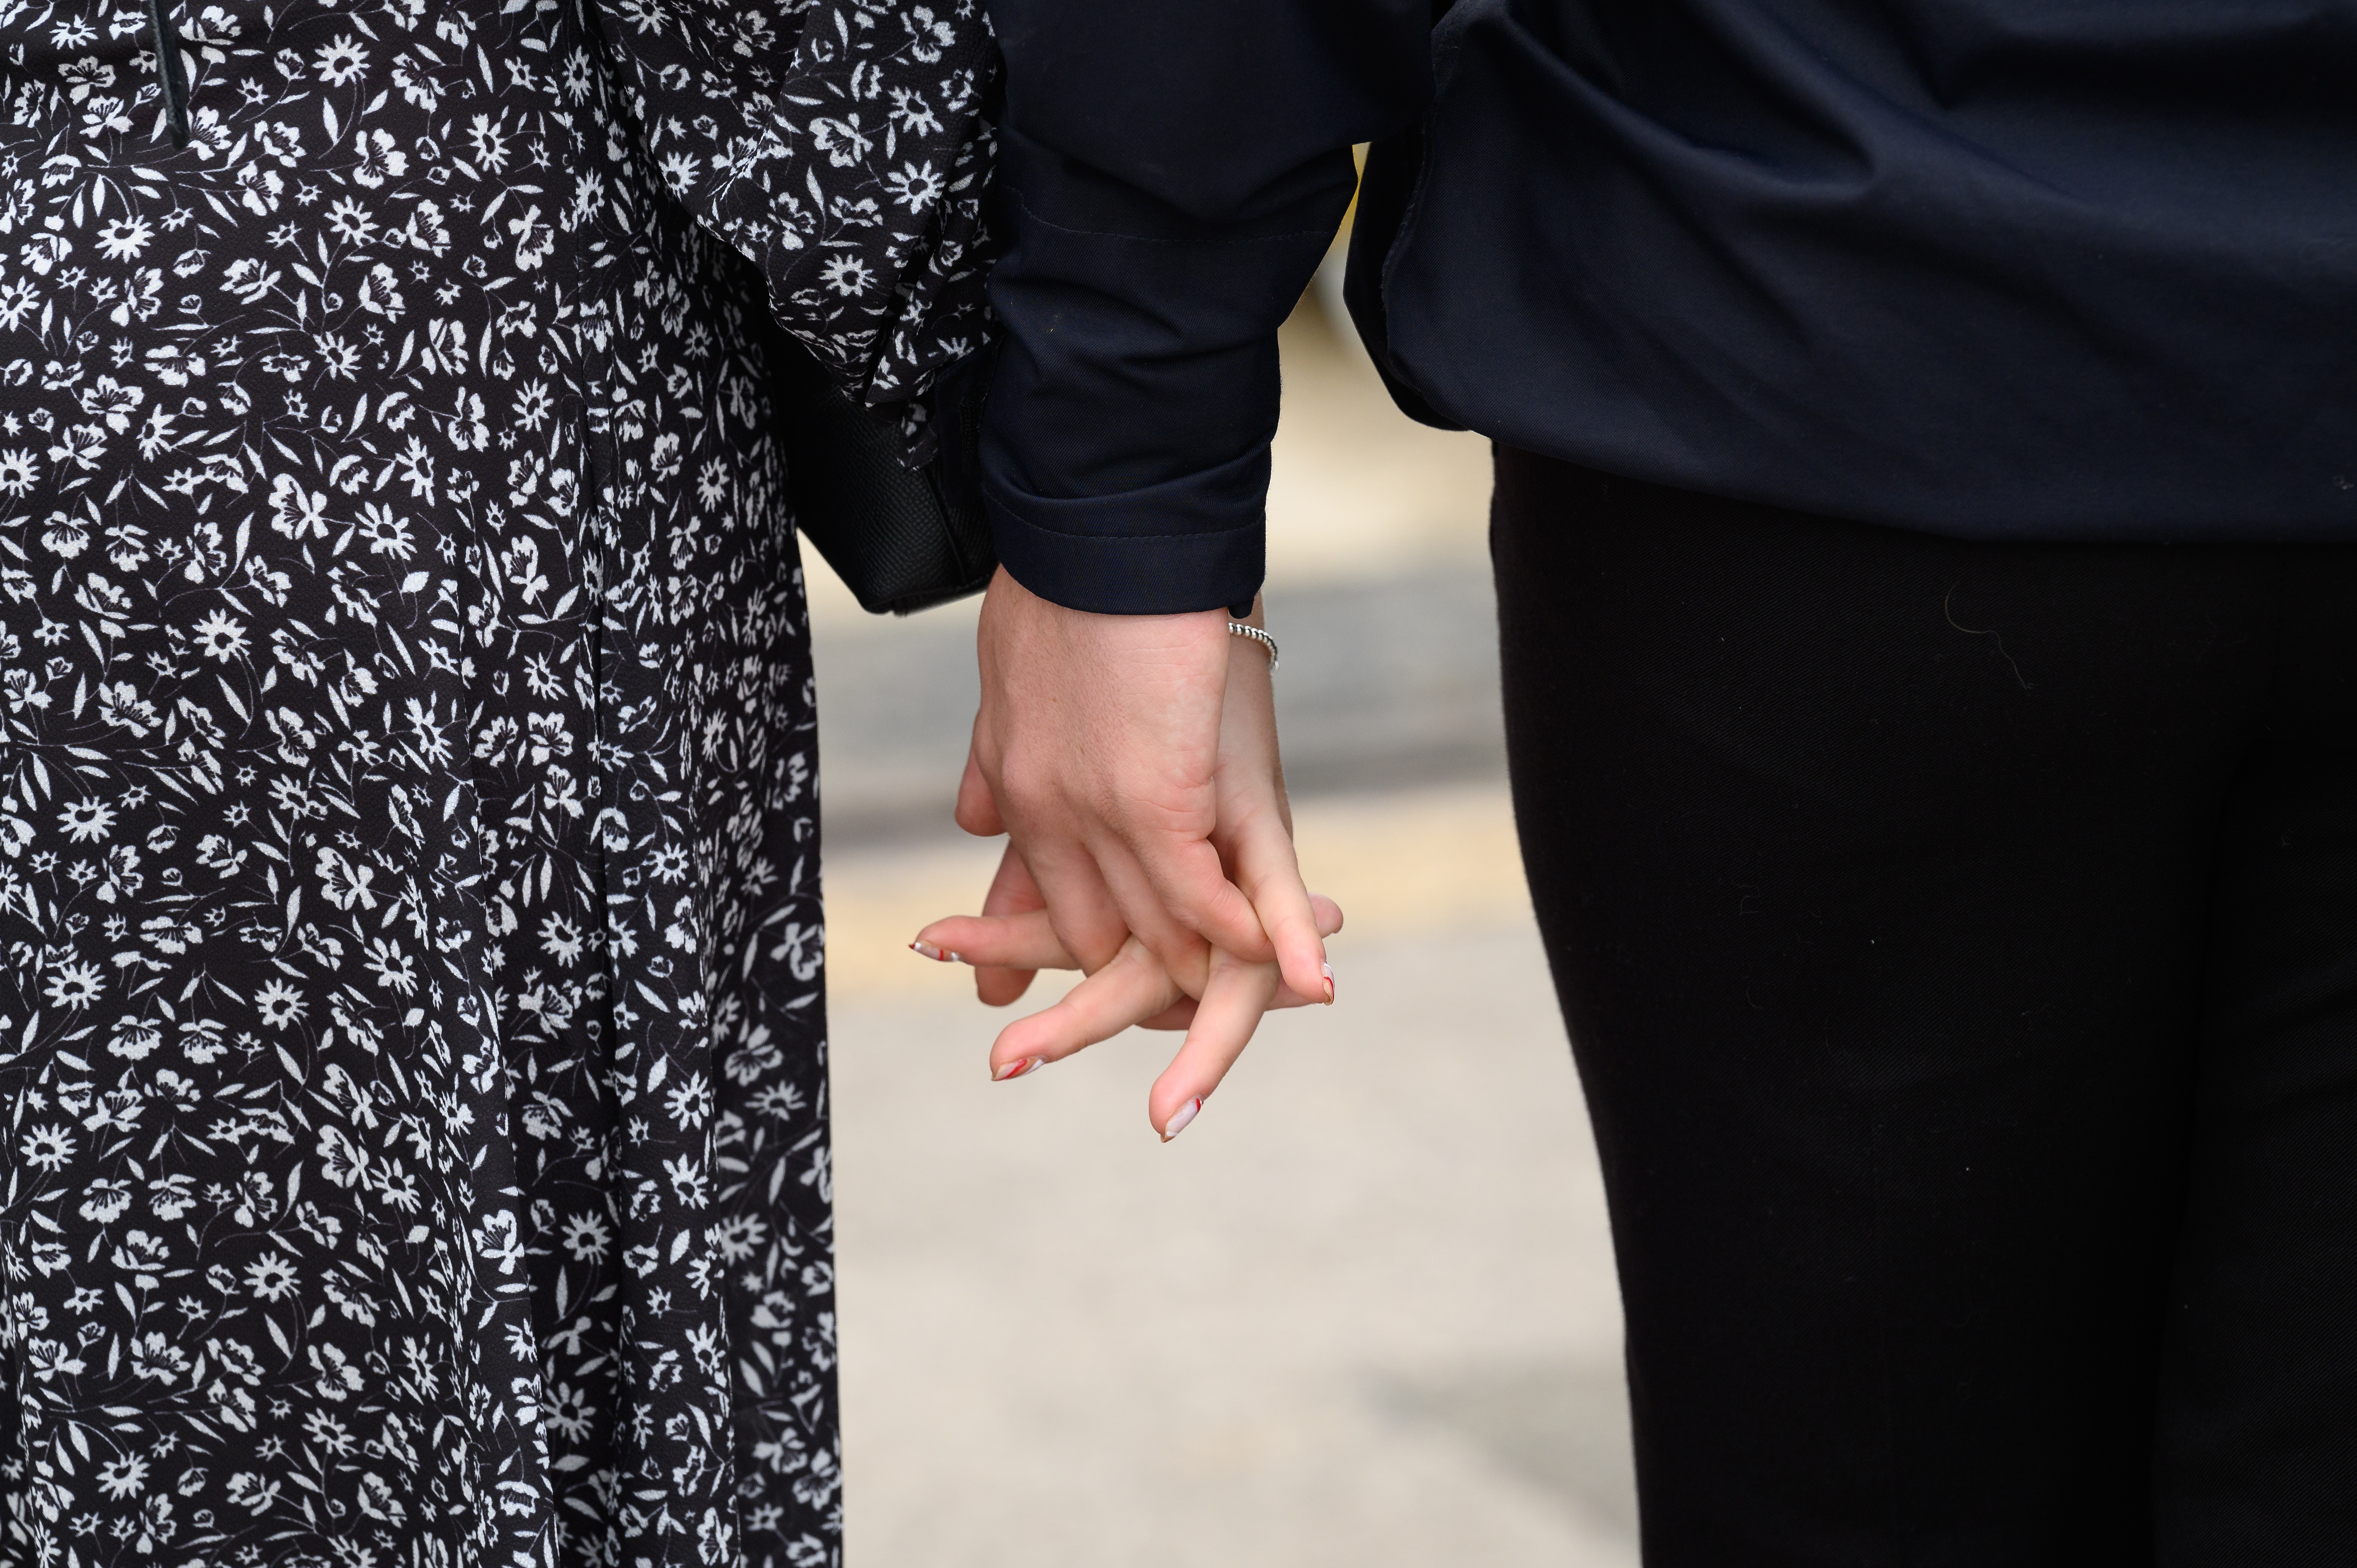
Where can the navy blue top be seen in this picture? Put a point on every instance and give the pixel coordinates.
(2003, 269)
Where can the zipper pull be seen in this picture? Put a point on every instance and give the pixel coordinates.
(167, 67)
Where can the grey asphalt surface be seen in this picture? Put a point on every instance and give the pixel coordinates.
(1386, 684)
(1362, 1312)
(1359, 1314)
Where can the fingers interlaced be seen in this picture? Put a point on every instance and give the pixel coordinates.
(1268, 871)
(1080, 903)
(1131, 988)
(1012, 893)
(1233, 1000)
(1024, 941)
(1149, 846)
(1180, 949)
(1186, 877)
(1028, 941)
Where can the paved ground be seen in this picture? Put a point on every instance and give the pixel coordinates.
(1386, 682)
(1361, 1313)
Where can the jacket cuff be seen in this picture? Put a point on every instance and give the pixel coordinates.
(1195, 542)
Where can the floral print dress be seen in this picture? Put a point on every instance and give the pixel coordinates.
(412, 1048)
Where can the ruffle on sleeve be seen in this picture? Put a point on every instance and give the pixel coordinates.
(843, 147)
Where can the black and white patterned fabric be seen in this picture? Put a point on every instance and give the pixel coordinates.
(412, 1045)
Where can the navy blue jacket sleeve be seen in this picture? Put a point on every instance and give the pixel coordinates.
(1171, 171)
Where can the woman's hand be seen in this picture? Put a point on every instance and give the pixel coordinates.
(1219, 1001)
(1132, 761)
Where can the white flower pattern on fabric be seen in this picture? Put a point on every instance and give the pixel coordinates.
(823, 175)
(410, 1032)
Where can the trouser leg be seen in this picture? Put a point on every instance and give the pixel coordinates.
(2256, 1447)
(1873, 868)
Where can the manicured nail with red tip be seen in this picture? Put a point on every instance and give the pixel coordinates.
(1180, 1117)
(1027, 1066)
(939, 955)
(1327, 971)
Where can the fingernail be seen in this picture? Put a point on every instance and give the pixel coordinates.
(1180, 1117)
(1017, 1070)
(1327, 971)
(939, 955)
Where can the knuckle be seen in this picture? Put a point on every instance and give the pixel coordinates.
(1024, 785)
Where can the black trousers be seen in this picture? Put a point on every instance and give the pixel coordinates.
(1959, 944)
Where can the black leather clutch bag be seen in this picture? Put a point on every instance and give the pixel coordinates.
(901, 539)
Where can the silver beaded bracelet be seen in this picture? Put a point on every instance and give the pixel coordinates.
(1238, 628)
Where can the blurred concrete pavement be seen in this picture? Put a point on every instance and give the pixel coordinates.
(1362, 1312)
